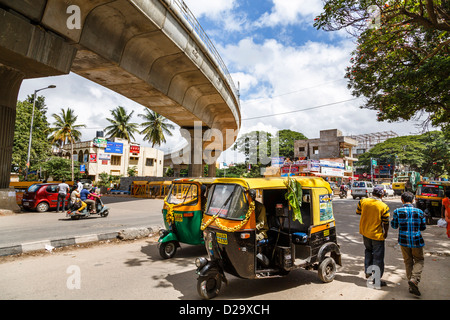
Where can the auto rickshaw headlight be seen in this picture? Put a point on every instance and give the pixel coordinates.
(163, 233)
(201, 262)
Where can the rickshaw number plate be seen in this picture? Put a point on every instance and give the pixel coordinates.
(178, 217)
(222, 238)
(436, 204)
(326, 233)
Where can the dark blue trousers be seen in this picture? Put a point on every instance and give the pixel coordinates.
(373, 255)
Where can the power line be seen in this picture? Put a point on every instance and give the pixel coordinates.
(311, 108)
(295, 91)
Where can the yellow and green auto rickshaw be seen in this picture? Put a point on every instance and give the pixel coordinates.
(298, 230)
(182, 213)
(429, 195)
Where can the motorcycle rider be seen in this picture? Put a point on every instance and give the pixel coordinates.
(344, 189)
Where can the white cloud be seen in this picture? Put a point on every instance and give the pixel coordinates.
(210, 8)
(290, 12)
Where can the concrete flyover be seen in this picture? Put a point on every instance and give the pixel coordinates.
(152, 51)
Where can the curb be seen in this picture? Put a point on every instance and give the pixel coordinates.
(126, 234)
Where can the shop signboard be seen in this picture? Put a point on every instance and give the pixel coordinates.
(92, 157)
(104, 156)
(277, 161)
(332, 172)
(331, 164)
(135, 149)
(114, 147)
(100, 142)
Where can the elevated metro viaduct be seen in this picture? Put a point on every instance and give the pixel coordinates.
(152, 51)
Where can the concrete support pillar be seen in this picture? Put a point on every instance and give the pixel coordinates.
(195, 139)
(212, 170)
(10, 81)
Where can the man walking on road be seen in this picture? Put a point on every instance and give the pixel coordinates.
(63, 188)
(374, 226)
(410, 221)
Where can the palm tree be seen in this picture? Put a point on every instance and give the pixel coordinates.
(65, 130)
(155, 127)
(120, 124)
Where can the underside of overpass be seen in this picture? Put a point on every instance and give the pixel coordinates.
(151, 51)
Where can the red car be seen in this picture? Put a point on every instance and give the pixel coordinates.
(42, 197)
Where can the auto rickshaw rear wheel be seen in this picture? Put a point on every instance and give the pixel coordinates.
(327, 270)
(168, 249)
(208, 286)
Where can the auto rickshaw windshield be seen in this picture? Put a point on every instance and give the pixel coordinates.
(430, 190)
(182, 193)
(227, 201)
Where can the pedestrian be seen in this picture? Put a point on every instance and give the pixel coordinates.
(79, 186)
(410, 221)
(63, 189)
(374, 226)
(446, 210)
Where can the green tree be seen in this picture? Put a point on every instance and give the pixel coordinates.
(286, 142)
(121, 127)
(59, 168)
(402, 59)
(155, 126)
(427, 153)
(65, 130)
(41, 147)
(256, 146)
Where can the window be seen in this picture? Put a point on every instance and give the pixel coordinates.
(228, 201)
(315, 150)
(115, 160)
(149, 162)
(301, 149)
(52, 188)
(133, 161)
(183, 193)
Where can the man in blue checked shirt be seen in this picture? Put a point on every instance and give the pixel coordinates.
(410, 221)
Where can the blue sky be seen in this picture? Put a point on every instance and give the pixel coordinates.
(280, 61)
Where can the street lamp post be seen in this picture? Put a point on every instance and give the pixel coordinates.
(31, 127)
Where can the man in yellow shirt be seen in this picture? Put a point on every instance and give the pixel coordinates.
(374, 226)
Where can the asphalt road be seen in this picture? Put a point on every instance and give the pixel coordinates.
(134, 270)
(125, 212)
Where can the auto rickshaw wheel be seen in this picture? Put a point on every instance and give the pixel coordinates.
(168, 249)
(327, 270)
(208, 286)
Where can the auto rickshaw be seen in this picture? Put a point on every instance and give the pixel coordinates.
(300, 231)
(182, 214)
(429, 195)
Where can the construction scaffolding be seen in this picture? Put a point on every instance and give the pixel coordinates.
(369, 140)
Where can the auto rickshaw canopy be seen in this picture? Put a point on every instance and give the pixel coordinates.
(276, 182)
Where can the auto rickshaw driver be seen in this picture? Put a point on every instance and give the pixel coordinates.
(261, 218)
(261, 230)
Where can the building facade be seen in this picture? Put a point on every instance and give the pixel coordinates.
(332, 150)
(116, 157)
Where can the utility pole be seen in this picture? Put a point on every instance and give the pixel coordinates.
(31, 128)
